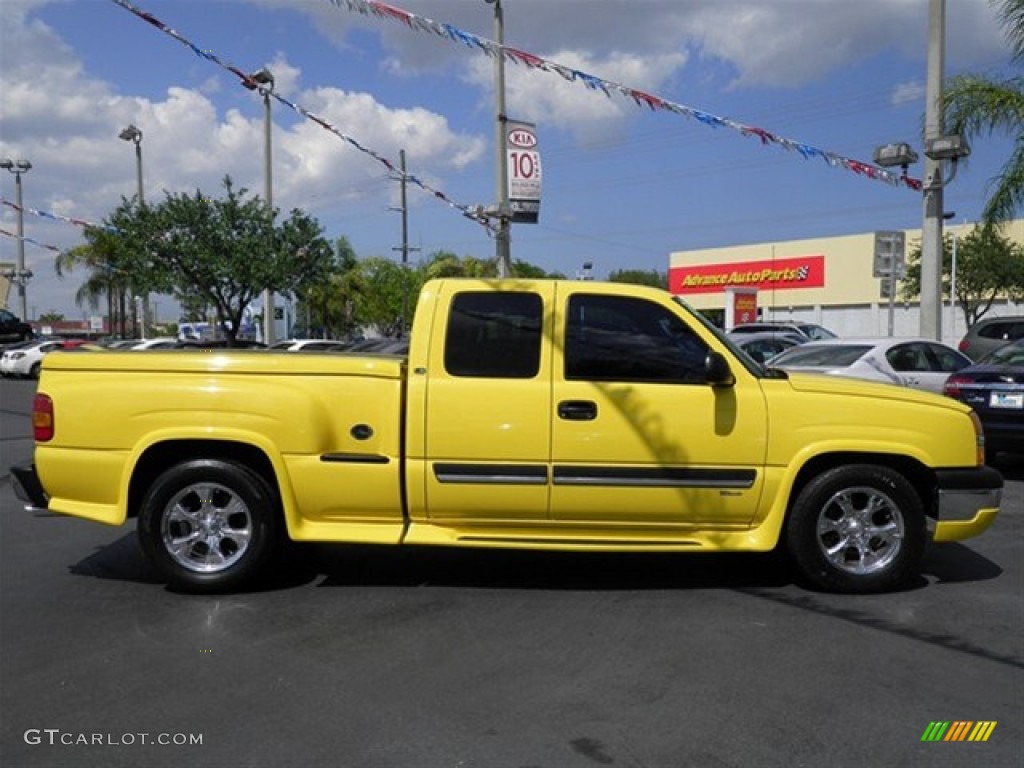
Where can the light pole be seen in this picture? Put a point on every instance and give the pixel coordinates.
(134, 135)
(21, 275)
(264, 82)
(503, 238)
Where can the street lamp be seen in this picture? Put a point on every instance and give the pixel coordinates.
(21, 275)
(503, 237)
(892, 155)
(263, 80)
(134, 135)
(940, 151)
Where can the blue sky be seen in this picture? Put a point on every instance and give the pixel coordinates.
(623, 185)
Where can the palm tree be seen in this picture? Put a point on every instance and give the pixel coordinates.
(975, 105)
(105, 278)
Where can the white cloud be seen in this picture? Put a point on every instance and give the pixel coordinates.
(539, 96)
(908, 93)
(67, 122)
(779, 43)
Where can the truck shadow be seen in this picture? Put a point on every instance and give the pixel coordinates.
(345, 565)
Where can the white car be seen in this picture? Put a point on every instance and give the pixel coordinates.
(26, 359)
(310, 345)
(162, 342)
(916, 363)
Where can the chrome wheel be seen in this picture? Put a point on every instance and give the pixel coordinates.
(860, 530)
(206, 527)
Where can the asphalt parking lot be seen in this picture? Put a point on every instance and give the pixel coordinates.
(361, 656)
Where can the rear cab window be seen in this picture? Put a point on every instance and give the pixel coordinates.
(494, 335)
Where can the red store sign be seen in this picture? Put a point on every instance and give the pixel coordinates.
(775, 274)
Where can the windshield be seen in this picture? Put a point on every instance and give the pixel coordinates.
(816, 332)
(1009, 354)
(830, 356)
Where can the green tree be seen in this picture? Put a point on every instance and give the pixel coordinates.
(383, 294)
(110, 274)
(325, 306)
(51, 316)
(221, 253)
(640, 277)
(975, 105)
(988, 266)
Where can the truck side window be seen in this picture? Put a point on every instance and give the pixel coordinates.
(616, 338)
(494, 335)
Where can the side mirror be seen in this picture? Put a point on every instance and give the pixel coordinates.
(717, 371)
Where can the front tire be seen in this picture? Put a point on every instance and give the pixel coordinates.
(857, 529)
(209, 525)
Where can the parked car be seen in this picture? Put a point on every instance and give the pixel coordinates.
(989, 334)
(810, 331)
(118, 343)
(915, 363)
(12, 328)
(994, 388)
(160, 342)
(383, 345)
(219, 344)
(310, 345)
(27, 359)
(764, 346)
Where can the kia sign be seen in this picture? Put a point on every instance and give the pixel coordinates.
(523, 172)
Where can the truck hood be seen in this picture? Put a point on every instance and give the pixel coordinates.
(844, 385)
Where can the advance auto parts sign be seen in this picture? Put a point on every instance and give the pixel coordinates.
(777, 274)
(523, 172)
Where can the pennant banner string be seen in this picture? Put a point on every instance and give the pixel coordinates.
(640, 98)
(471, 212)
(56, 216)
(53, 248)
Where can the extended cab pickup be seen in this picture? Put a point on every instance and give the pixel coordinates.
(534, 414)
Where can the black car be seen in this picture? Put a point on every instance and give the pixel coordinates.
(12, 329)
(219, 344)
(994, 388)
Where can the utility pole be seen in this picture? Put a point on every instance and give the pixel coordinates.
(404, 247)
(21, 274)
(931, 229)
(503, 237)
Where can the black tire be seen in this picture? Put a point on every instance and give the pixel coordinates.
(857, 529)
(210, 525)
(33, 372)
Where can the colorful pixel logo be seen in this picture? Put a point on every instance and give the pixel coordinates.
(959, 730)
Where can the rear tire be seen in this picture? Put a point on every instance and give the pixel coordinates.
(210, 525)
(857, 529)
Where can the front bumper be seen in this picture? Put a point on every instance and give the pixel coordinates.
(967, 502)
(28, 488)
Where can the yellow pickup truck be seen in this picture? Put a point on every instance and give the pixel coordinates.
(534, 414)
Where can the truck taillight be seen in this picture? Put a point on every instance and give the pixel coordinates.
(42, 418)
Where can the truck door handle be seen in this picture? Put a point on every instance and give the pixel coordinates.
(577, 410)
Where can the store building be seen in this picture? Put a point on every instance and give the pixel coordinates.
(829, 281)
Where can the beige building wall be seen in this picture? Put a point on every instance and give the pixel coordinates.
(848, 262)
(845, 293)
